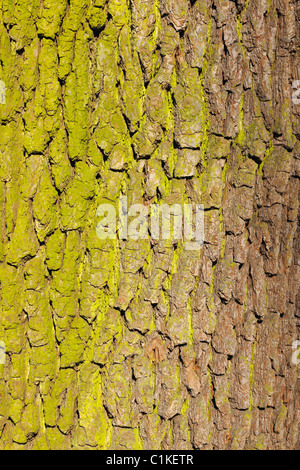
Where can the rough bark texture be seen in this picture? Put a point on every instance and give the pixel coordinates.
(139, 344)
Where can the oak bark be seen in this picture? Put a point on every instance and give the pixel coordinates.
(115, 344)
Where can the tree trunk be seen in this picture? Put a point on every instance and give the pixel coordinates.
(144, 344)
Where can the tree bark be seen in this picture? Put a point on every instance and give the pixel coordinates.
(142, 344)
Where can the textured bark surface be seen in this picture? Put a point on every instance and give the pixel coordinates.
(142, 344)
